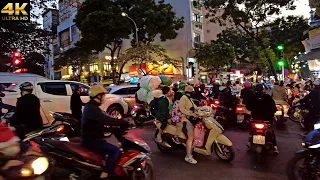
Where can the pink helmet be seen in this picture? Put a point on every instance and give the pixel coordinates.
(247, 84)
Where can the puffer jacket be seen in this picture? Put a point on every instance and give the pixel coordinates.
(278, 94)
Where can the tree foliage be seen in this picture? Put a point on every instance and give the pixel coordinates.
(246, 14)
(76, 57)
(102, 26)
(35, 63)
(28, 37)
(215, 54)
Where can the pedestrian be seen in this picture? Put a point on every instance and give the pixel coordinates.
(76, 103)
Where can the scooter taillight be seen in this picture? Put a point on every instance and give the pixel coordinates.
(239, 109)
(259, 126)
(136, 107)
(216, 102)
(213, 106)
(279, 108)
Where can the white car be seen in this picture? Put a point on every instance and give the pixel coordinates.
(127, 92)
(55, 96)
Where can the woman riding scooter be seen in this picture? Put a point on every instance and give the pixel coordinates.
(187, 107)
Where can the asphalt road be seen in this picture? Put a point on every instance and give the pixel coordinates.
(244, 167)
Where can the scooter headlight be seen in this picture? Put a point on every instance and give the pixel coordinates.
(40, 165)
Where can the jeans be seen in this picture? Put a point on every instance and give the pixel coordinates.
(102, 147)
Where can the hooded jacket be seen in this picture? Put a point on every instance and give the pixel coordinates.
(278, 93)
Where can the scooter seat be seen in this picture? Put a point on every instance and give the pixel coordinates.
(85, 153)
(78, 150)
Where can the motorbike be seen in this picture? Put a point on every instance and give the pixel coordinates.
(141, 114)
(308, 168)
(261, 138)
(213, 139)
(279, 116)
(238, 115)
(76, 162)
(298, 112)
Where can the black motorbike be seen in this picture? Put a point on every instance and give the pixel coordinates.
(261, 138)
(305, 163)
(141, 114)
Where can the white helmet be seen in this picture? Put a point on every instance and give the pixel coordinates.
(317, 82)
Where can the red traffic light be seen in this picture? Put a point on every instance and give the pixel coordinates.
(16, 54)
(17, 62)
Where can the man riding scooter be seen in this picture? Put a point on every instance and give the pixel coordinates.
(313, 100)
(92, 130)
(279, 95)
(262, 108)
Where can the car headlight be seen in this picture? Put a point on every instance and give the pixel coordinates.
(40, 165)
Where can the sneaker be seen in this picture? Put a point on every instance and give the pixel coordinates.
(159, 139)
(176, 140)
(275, 150)
(190, 160)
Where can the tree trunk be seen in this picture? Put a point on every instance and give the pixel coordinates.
(268, 59)
(120, 71)
(113, 66)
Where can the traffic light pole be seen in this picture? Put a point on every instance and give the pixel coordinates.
(282, 73)
(13, 66)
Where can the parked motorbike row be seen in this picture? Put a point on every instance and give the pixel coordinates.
(62, 153)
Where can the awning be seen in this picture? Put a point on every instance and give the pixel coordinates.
(314, 54)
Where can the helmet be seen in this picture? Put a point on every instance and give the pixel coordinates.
(259, 88)
(2, 87)
(181, 85)
(317, 82)
(247, 84)
(27, 86)
(189, 89)
(97, 90)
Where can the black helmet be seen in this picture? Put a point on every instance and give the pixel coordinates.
(259, 88)
(2, 87)
(26, 87)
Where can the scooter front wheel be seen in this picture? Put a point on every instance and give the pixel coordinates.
(224, 152)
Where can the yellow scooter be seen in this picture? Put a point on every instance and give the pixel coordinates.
(213, 139)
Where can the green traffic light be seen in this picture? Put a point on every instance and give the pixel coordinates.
(280, 47)
(280, 63)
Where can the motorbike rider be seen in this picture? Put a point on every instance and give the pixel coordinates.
(162, 114)
(246, 93)
(76, 103)
(279, 95)
(226, 98)
(188, 108)
(27, 117)
(175, 87)
(92, 130)
(263, 108)
(313, 100)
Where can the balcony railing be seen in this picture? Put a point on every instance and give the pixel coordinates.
(56, 51)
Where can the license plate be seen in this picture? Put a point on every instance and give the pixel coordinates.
(278, 113)
(240, 118)
(259, 139)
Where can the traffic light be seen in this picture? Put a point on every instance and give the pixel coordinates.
(16, 60)
(281, 63)
(280, 47)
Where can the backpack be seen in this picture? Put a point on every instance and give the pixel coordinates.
(153, 106)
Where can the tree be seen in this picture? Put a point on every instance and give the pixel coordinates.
(215, 54)
(148, 53)
(76, 57)
(246, 14)
(289, 32)
(242, 43)
(102, 26)
(34, 63)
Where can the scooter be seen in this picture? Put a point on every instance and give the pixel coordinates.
(261, 138)
(213, 139)
(76, 162)
(308, 158)
(141, 114)
(279, 116)
(243, 116)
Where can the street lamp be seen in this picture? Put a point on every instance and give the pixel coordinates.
(135, 25)
(280, 63)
